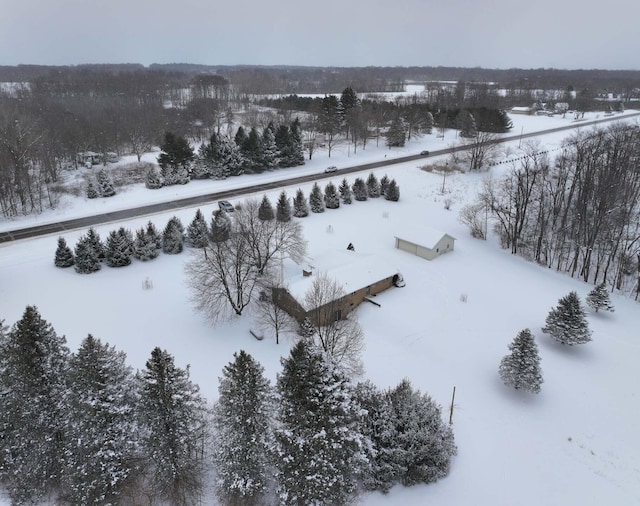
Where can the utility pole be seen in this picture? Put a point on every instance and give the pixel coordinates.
(453, 398)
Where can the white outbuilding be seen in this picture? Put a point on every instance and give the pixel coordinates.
(425, 242)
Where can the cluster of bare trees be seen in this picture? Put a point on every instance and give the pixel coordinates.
(579, 213)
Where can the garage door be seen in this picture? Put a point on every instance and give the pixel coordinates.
(406, 246)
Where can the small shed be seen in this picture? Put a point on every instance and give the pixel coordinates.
(425, 242)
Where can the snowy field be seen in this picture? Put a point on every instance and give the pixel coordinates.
(577, 442)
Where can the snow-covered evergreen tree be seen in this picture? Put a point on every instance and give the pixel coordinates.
(467, 125)
(153, 180)
(100, 440)
(373, 186)
(269, 150)
(155, 237)
(251, 150)
(598, 298)
(428, 123)
(127, 239)
(64, 255)
(283, 143)
(198, 231)
(359, 189)
(345, 192)
(316, 199)
(220, 226)
(567, 322)
(96, 242)
(331, 198)
(92, 192)
(87, 259)
(105, 185)
(175, 159)
(144, 247)
(319, 449)
(297, 147)
(173, 237)
(392, 192)
(521, 368)
(171, 415)
(307, 329)
(377, 427)
(118, 251)
(300, 205)
(265, 211)
(231, 161)
(283, 208)
(243, 431)
(422, 445)
(33, 371)
(397, 133)
(384, 184)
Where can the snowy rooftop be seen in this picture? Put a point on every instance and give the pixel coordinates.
(351, 269)
(424, 236)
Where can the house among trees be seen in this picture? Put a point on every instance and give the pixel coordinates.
(425, 242)
(521, 110)
(360, 275)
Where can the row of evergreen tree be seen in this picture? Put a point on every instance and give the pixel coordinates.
(120, 246)
(566, 323)
(224, 156)
(85, 428)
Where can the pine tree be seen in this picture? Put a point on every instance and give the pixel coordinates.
(33, 371)
(422, 444)
(100, 443)
(251, 150)
(127, 239)
(316, 199)
(567, 322)
(283, 208)
(118, 251)
(153, 179)
(171, 415)
(265, 211)
(300, 206)
(598, 298)
(377, 427)
(243, 431)
(392, 192)
(220, 226)
(521, 368)
(359, 190)
(96, 243)
(345, 192)
(283, 143)
(296, 146)
(269, 151)
(428, 123)
(373, 186)
(307, 329)
(105, 186)
(154, 236)
(198, 231)
(397, 133)
(318, 444)
(64, 255)
(231, 161)
(331, 198)
(384, 184)
(144, 247)
(92, 193)
(173, 237)
(175, 160)
(87, 259)
(467, 125)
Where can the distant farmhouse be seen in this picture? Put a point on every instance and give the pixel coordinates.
(425, 242)
(360, 275)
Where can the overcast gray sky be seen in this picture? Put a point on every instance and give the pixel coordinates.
(469, 33)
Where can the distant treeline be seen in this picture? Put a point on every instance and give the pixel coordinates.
(300, 79)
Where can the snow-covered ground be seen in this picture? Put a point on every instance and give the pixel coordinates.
(577, 442)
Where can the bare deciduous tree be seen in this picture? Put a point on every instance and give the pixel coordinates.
(267, 239)
(342, 339)
(272, 317)
(222, 278)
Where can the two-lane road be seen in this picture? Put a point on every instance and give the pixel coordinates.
(115, 216)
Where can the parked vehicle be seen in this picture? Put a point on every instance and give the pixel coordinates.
(226, 206)
(333, 168)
